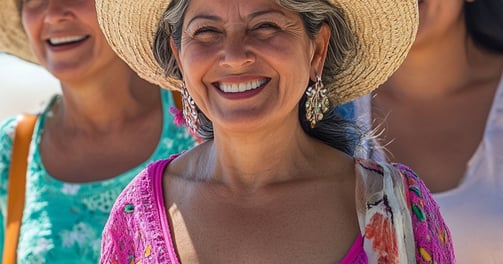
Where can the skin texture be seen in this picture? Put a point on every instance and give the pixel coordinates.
(261, 175)
(44, 20)
(105, 107)
(434, 108)
(260, 54)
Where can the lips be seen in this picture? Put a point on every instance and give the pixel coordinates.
(239, 87)
(60, 41)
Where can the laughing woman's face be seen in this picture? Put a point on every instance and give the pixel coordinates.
(246, 63)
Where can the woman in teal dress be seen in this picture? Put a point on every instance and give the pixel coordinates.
(90, 141)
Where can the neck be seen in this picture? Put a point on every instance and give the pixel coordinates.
(438, 69)
(105, 103)
(430, 71)
(251, 160)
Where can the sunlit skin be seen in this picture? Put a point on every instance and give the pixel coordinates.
(435, 106)
(259, 41)
(239, 43)
(438, 18)
(47, 21)
(104, 105)
(261, 175)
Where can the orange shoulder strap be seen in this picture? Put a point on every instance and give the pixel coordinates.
(177, 97)
(16, 187)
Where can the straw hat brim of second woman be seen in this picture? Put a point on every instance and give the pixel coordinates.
(13, 39)
(385, 31)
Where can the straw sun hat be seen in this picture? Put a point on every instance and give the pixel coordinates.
(385, 30)
(13, 39)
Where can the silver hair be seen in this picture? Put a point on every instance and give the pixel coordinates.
(334, 130)
(313, 13)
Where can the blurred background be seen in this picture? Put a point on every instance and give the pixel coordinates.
(24, 87)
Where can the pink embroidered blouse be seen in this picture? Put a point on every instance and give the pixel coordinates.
(138, 230)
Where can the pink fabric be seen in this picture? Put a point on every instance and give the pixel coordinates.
(356, 255)
(431, 234)
(138, 229)
(134, 232)
(161, 208)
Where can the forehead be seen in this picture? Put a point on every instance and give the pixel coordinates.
(233, 8)
(230, 4)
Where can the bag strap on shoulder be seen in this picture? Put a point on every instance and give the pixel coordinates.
(17, 185)
(177, 97)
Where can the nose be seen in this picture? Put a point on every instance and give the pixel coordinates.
(56, 11)
(236, 52)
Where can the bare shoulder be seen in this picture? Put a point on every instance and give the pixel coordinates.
(187, 163)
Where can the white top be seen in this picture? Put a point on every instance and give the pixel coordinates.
(474, 210)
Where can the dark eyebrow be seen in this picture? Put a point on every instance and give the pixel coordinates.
(252, 15)
(265, 12)
(205, 17)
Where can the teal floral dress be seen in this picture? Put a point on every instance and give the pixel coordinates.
(63, 222)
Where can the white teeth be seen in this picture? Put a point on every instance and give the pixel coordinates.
(63, 40)
(241, 87)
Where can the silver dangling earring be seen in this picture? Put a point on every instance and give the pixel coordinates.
(189, 110)
(317, 102)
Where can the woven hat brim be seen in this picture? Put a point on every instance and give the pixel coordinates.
(385, 30)
(13, 39)
(130, 26)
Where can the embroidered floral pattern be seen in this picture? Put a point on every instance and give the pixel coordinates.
(383, 237)
(134, 232)
(387, 223)
(433, 242)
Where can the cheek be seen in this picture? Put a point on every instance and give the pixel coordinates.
(29, 24)
(294, 53)
(195, 63)
(196, 59)
(32, 27)
(295, 68)
(193, 67)
(296, 84)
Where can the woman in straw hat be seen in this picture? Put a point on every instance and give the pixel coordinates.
(275, 181)
(441, 113)
(89, 142)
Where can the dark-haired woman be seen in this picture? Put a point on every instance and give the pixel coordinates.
(442, 114)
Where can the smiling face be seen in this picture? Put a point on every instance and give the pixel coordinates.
(247, 63)
(65, 37)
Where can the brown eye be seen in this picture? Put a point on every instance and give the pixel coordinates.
(206, 30)
(207, 34)
(265, 30)
(268, 25)
(203, 31)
